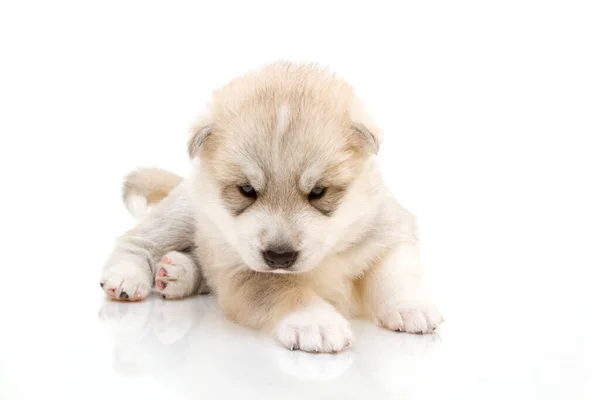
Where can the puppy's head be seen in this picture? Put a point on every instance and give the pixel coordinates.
(282, 156)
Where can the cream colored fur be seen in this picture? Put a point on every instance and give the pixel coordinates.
(284, 130)
(145, 187)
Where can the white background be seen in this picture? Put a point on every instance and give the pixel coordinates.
(491, 115)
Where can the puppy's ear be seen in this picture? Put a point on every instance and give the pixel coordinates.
(200, 130)
(365, 129)
(370, 136)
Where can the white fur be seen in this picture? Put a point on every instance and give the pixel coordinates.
(283, 119)
(315, 328)
(398, 296)
(129, 276)
(181, 275)
(210, 212)
(131, 267)
(136, 204)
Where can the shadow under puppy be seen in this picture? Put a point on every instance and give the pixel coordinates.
(286, 212)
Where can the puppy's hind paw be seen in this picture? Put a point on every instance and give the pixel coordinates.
(176, 276)
(126, 281)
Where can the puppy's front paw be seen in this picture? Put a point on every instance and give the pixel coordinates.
(319, 329)
(412, 317)
(176, 276)
(126, 280)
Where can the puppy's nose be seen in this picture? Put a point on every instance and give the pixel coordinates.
(280, 257)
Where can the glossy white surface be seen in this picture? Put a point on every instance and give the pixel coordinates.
(490, 111)
(90, 348)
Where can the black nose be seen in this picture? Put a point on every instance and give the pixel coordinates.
(280, 257)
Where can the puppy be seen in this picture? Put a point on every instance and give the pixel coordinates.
(284, 216)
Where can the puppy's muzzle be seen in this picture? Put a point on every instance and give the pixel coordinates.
(280, 257)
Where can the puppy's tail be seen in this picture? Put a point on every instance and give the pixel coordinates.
(145, 187)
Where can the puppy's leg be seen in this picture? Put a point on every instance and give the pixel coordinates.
(129, 272)
(395, 293)
(281, 304)
(178, 275)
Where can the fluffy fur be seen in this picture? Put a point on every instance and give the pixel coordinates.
(146, 187)
(283, 131)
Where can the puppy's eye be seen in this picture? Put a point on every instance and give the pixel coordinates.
(248, 191)
(317, 193)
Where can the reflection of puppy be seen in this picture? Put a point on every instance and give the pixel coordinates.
(146, 333)
(287, 213)
(193, 350)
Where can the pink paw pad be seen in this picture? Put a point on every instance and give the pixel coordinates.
(161, 285)
(174, 275)
(158, 281)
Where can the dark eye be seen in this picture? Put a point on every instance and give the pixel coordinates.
(248, 191)
(317, 193)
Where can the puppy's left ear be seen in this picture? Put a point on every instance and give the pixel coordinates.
(365, 129)
(370, 135)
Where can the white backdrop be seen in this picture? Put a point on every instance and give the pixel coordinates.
(490, 110)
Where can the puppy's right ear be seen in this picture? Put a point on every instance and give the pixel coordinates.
(199, 132)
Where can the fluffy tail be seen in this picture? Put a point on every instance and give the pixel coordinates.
(145, 187)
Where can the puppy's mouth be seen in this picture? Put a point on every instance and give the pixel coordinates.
(281, 271)
(297, 268)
